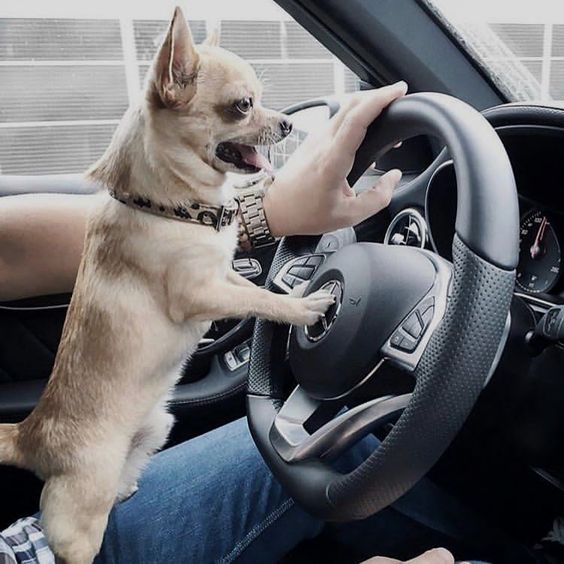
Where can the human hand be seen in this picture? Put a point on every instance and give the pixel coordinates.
(310, 194)
(435, 556)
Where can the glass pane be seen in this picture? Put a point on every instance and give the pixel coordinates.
(62, 93)
(69, 69)
(52, 150)
(57, 39)
(519, 44)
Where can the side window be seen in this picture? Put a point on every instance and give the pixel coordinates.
(69, 73)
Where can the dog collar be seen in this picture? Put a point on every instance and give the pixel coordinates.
(188, 211)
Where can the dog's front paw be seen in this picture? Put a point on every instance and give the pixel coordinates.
(310, 309)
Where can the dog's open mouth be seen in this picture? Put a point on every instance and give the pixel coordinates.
(244, 157)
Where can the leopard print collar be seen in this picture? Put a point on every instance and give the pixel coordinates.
(188, 211)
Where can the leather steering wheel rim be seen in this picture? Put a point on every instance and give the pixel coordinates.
(459, 355)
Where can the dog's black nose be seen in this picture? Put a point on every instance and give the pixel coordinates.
(285, 127)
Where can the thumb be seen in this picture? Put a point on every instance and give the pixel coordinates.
(435, 556)
(371, 201)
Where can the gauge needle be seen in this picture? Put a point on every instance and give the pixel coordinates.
(535, 249)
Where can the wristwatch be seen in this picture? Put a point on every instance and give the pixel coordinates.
(253, 226)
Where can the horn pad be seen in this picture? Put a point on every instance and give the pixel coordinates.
(375, 287)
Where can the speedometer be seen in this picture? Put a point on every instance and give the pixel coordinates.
(539, 253)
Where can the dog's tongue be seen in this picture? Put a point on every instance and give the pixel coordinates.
(252, 157)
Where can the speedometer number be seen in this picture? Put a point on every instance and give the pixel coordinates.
(539, 254)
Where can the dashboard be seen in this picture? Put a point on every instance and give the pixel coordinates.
(534, 140)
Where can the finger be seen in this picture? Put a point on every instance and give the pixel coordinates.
(435, 556)
(370, 107)
(352, 130)
(364, 107)
(371, 101)
(370, 202)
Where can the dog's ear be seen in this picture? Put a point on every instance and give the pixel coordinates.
(212, 40)
(177, 64)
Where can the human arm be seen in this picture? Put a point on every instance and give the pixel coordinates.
(41, 241)
(435, 556)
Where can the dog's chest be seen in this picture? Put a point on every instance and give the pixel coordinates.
(188, 246)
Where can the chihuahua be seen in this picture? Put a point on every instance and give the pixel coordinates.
(148, 286)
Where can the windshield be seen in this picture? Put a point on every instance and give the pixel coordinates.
(520, 44)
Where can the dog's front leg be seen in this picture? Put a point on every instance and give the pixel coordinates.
(239, 280)
(220, 300)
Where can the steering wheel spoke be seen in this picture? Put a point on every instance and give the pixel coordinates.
(290, 437)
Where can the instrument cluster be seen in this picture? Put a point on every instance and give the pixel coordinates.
(541, 236)
(540, 252)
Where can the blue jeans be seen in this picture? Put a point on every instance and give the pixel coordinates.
(212, 499)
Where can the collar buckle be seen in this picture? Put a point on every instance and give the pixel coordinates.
(226, 215)
(220, 218)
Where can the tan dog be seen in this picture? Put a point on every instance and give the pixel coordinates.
(148, 288)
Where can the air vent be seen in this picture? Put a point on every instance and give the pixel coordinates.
(408, 228)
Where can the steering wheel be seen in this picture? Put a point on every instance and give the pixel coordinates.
(444, 323)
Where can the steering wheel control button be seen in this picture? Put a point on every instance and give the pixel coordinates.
(413, 325)
(403, 342)
(238, 357)
(396, 340)
(302, 272)
(427, 317)
(408, 344)
(298, 270)
(315, 260)
(426, 304)
(248, 267)
(300, 261)
(318, 330)
(290, 280)
(243, 352)
(413, 328)
(231, 361)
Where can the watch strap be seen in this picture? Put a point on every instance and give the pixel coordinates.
(254, 231)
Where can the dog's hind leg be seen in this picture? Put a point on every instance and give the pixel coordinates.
(149, 439)
(75, 513)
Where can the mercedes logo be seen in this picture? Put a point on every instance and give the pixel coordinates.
(318, 330)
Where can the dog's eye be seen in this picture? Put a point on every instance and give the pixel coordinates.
(244, 105)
